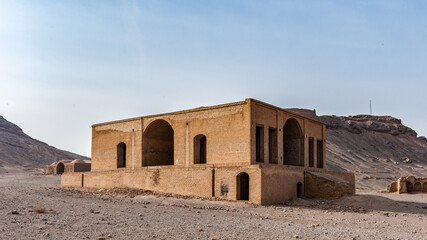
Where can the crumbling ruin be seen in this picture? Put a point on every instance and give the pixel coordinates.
(247, 150)
(409, 184)
(66, 166)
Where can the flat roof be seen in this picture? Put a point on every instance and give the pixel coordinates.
(203, 108)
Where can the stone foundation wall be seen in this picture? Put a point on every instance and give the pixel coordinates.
(71, 179)
(279, 183)
(204, 181)
(267, 184)
(328, 185)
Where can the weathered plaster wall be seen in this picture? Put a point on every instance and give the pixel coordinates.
(226, 129)
(205, 181)
(71, 179)
(226, 182)
(105, 139)
(279, 183)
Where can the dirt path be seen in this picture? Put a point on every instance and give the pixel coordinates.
(75, 214)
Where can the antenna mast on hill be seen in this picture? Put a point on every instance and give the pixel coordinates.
(370, 107)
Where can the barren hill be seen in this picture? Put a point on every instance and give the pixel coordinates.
(377, 149)
(19, 149)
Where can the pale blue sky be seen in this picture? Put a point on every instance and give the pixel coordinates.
(65, 65)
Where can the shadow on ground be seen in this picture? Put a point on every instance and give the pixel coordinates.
(372, 202)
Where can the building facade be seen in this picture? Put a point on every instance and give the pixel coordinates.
(247, 150)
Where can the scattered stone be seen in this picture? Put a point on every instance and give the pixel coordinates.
(295, 236)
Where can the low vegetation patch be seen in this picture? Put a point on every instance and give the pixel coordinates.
(39, 209)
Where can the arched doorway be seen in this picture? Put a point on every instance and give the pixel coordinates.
(417, 187)
(121, 155)
(60, 168)
(425, 187)
(199, 150)
(293, 143)
(158, 144)
(409, 187)
(242, 186)
(299, 190)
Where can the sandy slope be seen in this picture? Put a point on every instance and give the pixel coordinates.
(75, 214)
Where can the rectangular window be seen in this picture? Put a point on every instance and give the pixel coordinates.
(311, 152)
(259, 138)
(272, 145)
(319, 154)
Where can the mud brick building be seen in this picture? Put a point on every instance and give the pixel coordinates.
(65, 165)
(247, 150)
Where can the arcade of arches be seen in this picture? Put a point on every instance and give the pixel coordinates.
(247, 150)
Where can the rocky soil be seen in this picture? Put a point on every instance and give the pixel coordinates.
(133, 214)
(19, 149)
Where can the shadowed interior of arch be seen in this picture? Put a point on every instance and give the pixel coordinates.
(242, 186)
(60, 168)
(158, 144)
(293, 143)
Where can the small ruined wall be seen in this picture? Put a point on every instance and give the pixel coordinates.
(279, 183)
(408, 184)
(49, 169)
(328, 185)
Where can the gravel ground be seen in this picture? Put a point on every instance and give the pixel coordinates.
(122, 214)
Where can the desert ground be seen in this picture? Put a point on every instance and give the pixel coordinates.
(135, 214)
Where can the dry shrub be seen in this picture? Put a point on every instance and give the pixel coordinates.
(39, 209)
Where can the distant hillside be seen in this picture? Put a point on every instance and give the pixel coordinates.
(377, 149)
(19, 149)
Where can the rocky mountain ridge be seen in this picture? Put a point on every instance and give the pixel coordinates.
(19, 149)
(378, 149)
